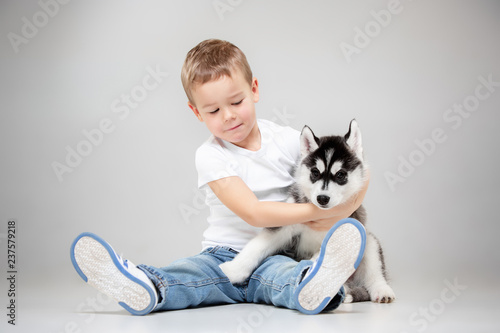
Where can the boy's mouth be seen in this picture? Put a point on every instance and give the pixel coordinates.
(233, 128)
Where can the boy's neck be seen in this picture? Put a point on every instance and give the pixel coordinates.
(253, 141)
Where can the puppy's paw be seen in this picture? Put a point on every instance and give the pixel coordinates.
(348, 298)
(382, 294)
(234, 272)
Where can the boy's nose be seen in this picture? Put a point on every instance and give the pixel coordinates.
(228, 114)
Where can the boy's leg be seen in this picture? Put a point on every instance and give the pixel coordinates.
(141, 289)
(101, 267)
(195, 281)
(341, 253)
(311, 287)
(275, 281)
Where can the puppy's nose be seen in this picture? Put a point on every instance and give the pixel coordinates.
(323, 199)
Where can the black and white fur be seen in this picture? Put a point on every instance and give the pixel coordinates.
(331, 170)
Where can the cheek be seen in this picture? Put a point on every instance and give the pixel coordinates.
(246, 111)
(213, 125)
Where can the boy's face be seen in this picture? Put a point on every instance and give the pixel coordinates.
(227, 107)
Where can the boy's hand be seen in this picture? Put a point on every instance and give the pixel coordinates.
(323, 224)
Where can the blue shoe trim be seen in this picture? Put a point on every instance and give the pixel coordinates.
(320, 259)
(118, 264)
(72, 255)
(132, 311)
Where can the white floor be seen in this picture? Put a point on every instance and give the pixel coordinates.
(75, 307)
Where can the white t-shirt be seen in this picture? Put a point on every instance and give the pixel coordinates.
(268, 172)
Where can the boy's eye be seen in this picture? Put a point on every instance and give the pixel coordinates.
(238, 103)
(214, 111)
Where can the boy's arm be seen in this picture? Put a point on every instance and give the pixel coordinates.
(238, 197)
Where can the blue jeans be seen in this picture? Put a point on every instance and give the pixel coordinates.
(198, 281)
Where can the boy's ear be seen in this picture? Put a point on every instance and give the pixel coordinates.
(195, 111)
(308, 141)
(255, 90)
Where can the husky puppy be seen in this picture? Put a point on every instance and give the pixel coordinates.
(331, 170)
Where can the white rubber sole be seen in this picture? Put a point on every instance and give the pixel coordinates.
(97, 263)
(341, 253)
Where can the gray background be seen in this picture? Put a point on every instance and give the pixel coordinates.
(137, 188)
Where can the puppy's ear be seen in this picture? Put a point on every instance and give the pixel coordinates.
(353, 139)
(308, 141)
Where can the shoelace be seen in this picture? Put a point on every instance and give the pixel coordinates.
(123, 261)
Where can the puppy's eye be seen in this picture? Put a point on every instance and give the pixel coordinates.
(315, 173)
(341, 177)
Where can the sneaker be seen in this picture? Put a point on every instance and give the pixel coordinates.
(341, 253)
(99, 265)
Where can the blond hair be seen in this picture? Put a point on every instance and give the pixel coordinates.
(210, 60)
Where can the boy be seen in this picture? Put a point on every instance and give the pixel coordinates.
(246, 167)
